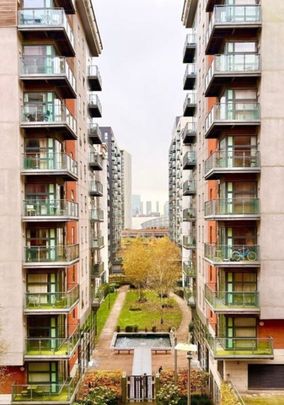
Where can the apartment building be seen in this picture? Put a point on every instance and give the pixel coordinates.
(235, 76)
(126, 189)
(51, 164)
(115, 196)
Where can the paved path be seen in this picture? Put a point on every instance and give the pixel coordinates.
(107, 359)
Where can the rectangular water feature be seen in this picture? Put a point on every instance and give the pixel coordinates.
(150, 340)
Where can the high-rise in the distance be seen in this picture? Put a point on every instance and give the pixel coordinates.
(137, 205)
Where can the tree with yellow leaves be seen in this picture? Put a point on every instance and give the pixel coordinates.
(165, 267)
(136, 256)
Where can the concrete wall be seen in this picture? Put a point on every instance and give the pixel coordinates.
(127, 188)
(272, 162)
(11, 197)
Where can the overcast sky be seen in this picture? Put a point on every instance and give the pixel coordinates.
(142, 73)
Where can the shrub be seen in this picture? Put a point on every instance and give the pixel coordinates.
(100, 396)
(135, 328)
(179, 291)
(168, 395)
(93, 379)
(198, 381)
(135, 308)
(118, 328)
(129, 328)
(154, 328)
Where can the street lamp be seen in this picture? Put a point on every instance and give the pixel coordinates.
(189, 348)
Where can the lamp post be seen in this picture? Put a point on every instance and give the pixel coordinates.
(189, 348)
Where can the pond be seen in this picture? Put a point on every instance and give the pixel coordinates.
(160, 341)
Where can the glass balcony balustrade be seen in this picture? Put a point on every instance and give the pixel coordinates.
(188, 214)
(96, 188)
(42, 208)
(47, 114)
(63, 392)
(52, 301)
(189, 160)
(97, 214)
(241, 348)
(243, 207)
(238, 254)
(233, 160)
(49, 18)
(234, 300)
(47, 161)
(51, 254)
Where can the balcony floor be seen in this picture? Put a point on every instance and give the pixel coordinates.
(229, 264)
(189, 53)
(50, 265)
(53, 128)
(216, 173)
(60, 83)
(217, 127)
(223, 79)
(65, 174)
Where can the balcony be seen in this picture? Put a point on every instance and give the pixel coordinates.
(96, 188)
(226, 69)
(189, 160)
(97, 242)
(54, 71)
(241, 348)
(211, 3)
(225, 162)
(68, 5)
(95, 107)
(189, 269)
(47, 163)
(49, 24)
(189, 215)
(188, 242)
(189, 105)
(238, 302)
(94, 78)
(97, 270)
(232, 255)
(189, 47)
(189, 188)
(189, 133)
(228, 116)
(95, 135)
(63, 393)
(36, 116)
(232, 209)
(232, 21)
(189, 77)
(51, 256)
(97, 215)
(51, 348)
(44, 210)
(51, 302)
(96, 161)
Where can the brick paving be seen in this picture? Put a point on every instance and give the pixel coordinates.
(104, 358)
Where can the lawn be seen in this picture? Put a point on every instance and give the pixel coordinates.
(104, 310)
(264, 400)
(148, 314)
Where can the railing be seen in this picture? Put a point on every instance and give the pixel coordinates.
(38, 207)
(189, 159)
(190, 71)
(47, 66)
(233, 206)
(189, 40)
(96, 159)
(232, 15)
(235, 299)
(188, 214)
(45, 392)
(96, 187)
(45, 17)
(97, 269)
(232, 253)
(233, 63)
(97, 214)
(246, 159)
(44, 113)
(189, 129)
(45, 159)
(189, 269)
(189, 187)
(188, 242)
(94, 130)
(238, 111)
(93, 71)
(94, 101)
(57, 253)
(52, 300)
(190, 99)
(51, 346)
(97, 242)
(241, 347)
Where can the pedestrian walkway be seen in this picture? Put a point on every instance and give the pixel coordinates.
(104, 358)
